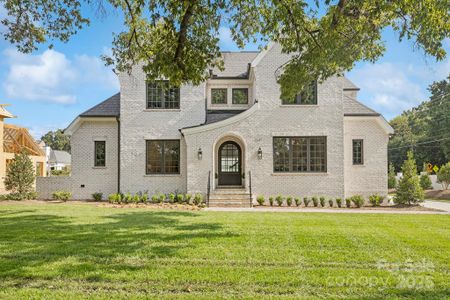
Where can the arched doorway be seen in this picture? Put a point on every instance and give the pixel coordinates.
(229, 164)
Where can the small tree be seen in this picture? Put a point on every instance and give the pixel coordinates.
(392, 181)
(20, 175)
(408, 188)
(443, 175)
(425, 182)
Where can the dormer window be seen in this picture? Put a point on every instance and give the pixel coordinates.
(219, 96)
(307, 97)
(240, 96)
(161, 95)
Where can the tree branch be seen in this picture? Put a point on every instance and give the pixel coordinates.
(182, 34)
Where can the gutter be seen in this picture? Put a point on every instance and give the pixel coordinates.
(118, 154)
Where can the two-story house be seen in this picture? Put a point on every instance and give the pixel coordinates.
(230, 133)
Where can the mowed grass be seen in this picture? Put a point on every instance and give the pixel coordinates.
(60, 251)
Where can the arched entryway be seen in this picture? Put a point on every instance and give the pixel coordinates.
(229, 164)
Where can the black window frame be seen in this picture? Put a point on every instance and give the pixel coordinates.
(162, 158)
(96, 162)
(358, 161)
(298, 98)
(165, 93)
(226, 96)
(239, 89)
(308, 151)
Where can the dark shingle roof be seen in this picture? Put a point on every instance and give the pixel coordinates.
(353, 107)
(213, 116)
(236, 64)
(108, 108)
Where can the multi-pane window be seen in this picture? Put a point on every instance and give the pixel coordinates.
(219, 96)
(100, 154)
(300, 154)
(163, 157)
(229, 158)
(358, 152)
(307, 97)
(240, 96)
(161, 95)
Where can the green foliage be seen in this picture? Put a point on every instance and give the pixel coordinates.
(443, 175)
(188, 198)
(315, 201)
(171, 197)
(271, 201)
(144, 197)
(322, 201)
(376, 200)
(127, 198)
(409, 190)
(61, 195)
(155, 198)
(20, 175)
(260, 200)
(358, 200)
(339, 202)
(392, 181)
(279, 199)
(348, 202)
(136, 198)
(330, 202)
(425, 182)
(64, 172)
(97, 196)
(162, 197)
(57, 140)
(198, 199)
(298, 201)
(306, 201)
(178, 40)
(289, 200)
(180, 198)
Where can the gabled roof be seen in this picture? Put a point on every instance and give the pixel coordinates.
(213, 116)
(62, 157)
(4, 113)
(236, 64)
(353, 107)
(349, 85)
(16, 138)
(108, 108)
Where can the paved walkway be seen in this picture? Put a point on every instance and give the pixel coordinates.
(441, 205)
(331, 210)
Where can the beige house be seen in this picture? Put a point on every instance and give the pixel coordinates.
(13, 140)
(230, 138)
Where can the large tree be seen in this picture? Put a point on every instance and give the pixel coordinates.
(57, 140)
(178, 39)
(20, 176)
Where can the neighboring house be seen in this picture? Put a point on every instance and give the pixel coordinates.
(58, 160)
(14, 139)
(231, 131)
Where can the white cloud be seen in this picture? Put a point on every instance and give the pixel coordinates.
(226, 41)
(52, 77)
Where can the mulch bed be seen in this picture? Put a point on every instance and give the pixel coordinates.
(437, 194)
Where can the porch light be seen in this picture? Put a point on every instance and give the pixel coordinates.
(259, 153)
(199, 153)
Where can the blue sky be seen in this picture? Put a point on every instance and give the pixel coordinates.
(48, 88)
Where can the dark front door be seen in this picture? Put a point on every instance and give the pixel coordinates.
(230, 164)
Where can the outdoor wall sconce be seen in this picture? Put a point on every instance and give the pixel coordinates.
(199, 153)
(259, 153)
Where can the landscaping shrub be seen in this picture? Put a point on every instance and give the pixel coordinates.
(198, 199)
(62, 195)
(298, 201)
(348, 202)
(127, 198)
(425, 182)
(279, 200)
(392, 181)
(97, 196)
(162, 198)
(330, 202)
(443, 175)
(180, 198)
(322, 201)
(315, 201)
(376, 200)
(289, 200)
(306, 201)
(144, 198)
(188, 198)
(358, 200)
(155, 198)
(171, 197)
(271, 201)
(408, 188)
(260, 200)
(112, 198)
(339, 202)
(136, 198)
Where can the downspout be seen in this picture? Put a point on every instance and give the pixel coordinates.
(118, 154)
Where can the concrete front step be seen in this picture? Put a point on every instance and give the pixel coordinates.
(229, 197)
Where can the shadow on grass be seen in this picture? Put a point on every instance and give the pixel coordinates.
(120, 242)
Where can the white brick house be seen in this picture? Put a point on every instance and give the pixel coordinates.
(233, 130)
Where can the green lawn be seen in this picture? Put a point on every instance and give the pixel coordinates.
(82, 251)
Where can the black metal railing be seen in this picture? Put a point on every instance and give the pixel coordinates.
(250, 187)
(208, 191)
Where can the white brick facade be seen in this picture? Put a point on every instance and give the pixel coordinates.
(253, 129)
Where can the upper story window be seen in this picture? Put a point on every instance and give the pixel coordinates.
(307, 97)
(161, 95)
(240, 96)
(219, 96)
(358, 152)
(100, 153)
(300, 154)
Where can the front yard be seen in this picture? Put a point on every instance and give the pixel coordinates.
(81, 250)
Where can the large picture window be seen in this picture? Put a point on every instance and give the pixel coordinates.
(161, 95)
(163, 157)
(100, 153)
(300, 154)
(307, 97)
(219, 96)
(240, 96)
(358, 152)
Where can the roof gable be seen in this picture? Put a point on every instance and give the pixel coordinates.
(108, 108)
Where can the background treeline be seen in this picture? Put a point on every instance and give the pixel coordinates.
(425, 130)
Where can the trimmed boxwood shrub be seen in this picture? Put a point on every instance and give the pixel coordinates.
(298, 201)
(376, 200)
(289, 200)
(62, 195)
(339, 202)
(322, 201)
(358, 200)
(348, 202)
(330, 202)
(306, 201)
(315, 201)
(260, 200)
(279, 200)
(97, 196)
(271, 201)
